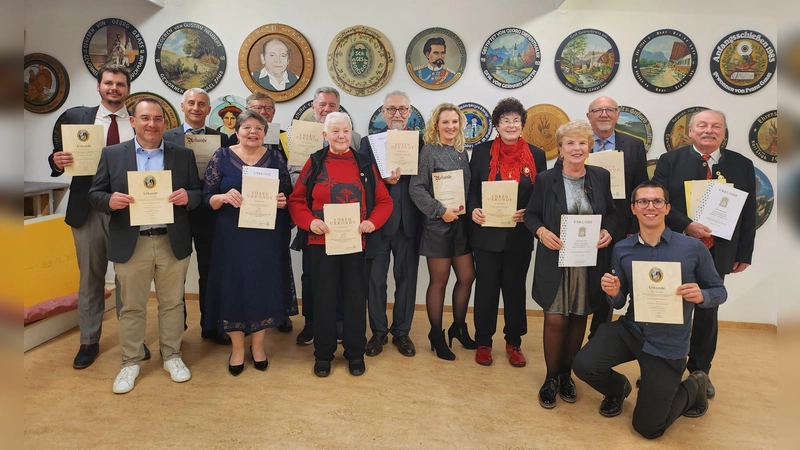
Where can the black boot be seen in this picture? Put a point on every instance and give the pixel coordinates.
(459, 331)
(438, 343)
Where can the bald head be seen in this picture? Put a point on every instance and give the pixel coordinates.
(603, 114)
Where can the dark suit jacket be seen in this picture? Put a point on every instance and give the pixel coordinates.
(264, 82)
(78, 203)
(548, 202)
(115, 162)
(684, 164)
(517, 239)
(404, 209)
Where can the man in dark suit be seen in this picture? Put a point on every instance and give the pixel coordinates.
(147, 253)
(603, 115)
(705, 160)
(196, 106)
(90, 228)
(398, 237)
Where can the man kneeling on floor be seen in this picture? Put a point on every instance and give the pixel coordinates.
(660, 349)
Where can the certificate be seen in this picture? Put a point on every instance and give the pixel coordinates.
(377, 142)
(499, 200)
(654, 287)
(305, 138)
(342, 220)
(402, 150)
(448, 188)
(719, 209)
(84, 142)
(614, 162)
(203, 146)
(273, 135)
(260, 202)
(694, 190)
(579, 234)
(150, 190)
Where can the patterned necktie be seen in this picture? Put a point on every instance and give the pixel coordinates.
(112, 138)
(196, 131)
(709, 241)
(602, 145)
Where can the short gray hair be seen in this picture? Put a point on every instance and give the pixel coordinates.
(326, 90)
(397, 92)
(336, 116)
(195, 90)
(250, 114)
(715, 111)
(258, 96)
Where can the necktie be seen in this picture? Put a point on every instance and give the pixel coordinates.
(602, 145)
(197, 131)
(709, 241)
(112, 137)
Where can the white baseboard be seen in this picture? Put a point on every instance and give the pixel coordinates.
(42, 331)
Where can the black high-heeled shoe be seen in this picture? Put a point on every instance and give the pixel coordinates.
(235, 370)
(259, 365)
(459, 331)
(439, 345)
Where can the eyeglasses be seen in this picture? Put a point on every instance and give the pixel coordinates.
(391, 110)
(657, 203)
(156, 119)
(247, 128)
(516, 122)
(600, 111)
(261, 108)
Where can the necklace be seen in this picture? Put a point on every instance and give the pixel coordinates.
(451, 157)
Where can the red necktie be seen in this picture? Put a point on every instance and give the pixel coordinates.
(112, 137)
(709, 241)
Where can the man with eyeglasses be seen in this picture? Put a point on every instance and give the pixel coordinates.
(147, 253)
(706, 160)
(603, 115)
(196, 106)
(399, 237)
(660, 349)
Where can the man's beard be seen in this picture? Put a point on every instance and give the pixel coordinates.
(438, 63)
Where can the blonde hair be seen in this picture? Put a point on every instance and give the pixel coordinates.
(432, 134)
(575, 128)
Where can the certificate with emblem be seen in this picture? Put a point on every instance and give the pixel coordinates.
(203, 146)
(719, 209)
(343, 220)
(614, 162)
(499, 203)
(150, 190)
(305, 138)
(655, 284)
(402, 150)
(448, 188)
(84, 142)
(260, 198)
(273, 134)
(579, 236)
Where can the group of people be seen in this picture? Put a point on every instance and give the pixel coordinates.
(247, 286)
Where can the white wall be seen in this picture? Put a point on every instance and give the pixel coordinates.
(57, 28)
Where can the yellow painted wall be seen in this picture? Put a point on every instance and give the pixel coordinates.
(49, 265)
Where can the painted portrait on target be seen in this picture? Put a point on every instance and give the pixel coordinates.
(436, 58)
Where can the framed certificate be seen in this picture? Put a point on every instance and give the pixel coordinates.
(342, 220)
(448, 188)
(150, 190)
(499, 203)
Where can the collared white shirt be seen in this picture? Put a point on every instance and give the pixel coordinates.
(123, 122)
(715, 155)
(279, 85)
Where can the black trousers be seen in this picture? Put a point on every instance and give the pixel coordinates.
(703, 345)
(496, 271)
(406, 265)
(662, 396)
(331, 274)
(307, 281)
(201, 224)
(601, 315)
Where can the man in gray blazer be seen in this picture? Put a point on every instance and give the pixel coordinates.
(155, 252)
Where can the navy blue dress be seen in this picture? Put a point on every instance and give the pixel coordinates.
(246, 277)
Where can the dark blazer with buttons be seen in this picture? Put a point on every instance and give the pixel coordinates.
(78, 203)
(683, 164)
(517, 239)
(548, 202)
(112, 176)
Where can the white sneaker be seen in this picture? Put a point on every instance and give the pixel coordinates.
(177, 370)
(124, 381)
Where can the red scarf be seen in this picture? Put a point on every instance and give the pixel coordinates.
(511, 161)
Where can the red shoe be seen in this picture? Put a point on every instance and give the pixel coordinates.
(484, 355)
(515, 356)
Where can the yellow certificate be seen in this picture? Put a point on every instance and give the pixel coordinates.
(203, 146)
(654, 287)
(342, 220)
(694, 190)
(84, 142)
(499, 200)
(150, 190)
(260, 192)
(614, 162)
(305, 138)
(448, 188)
(402, 150)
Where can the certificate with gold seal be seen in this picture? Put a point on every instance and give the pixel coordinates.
(305, 138)
(579, 235)
(84, 142)
(260, 198)
(499, 203)
(203, 146)
(614, 162)
(402, 150)
(150, 190)
(342, 220)
(448, 188)
(655, 284)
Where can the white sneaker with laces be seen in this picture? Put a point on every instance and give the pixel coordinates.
(177, 370)
(124, 381)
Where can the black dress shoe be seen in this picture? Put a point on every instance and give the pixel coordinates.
(259, 365)
(547, 394)
(286, 326)
(700, 405)
(306, 335)
(146, 352)
(612, 406)
(235, 370)
(710, 392)
(404, 345)
(216, 337)
(638, 382)
(322, 368)
(375, 344)
(86, 356)
(357, 367)
(566, 388)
